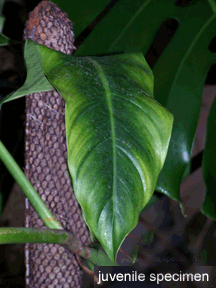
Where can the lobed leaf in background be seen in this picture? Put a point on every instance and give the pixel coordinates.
(117, 137)
(181, 91)
(208, 165)
(180, 71)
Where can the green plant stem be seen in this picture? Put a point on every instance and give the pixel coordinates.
(38, 235)
(64, 238)
(39, 206)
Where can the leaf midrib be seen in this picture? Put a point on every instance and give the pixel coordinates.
(108, 94)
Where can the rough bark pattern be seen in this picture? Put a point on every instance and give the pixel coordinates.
(46, 165)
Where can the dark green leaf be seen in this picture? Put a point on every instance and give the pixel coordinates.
(187, 60)
(213, 5)
(117, 137)
(4, 40)
(209, 165)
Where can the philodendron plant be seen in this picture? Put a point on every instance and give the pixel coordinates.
(118, 127)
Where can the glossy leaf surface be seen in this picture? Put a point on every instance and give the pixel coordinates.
(117, 137)
(180, 89)
(179, 72)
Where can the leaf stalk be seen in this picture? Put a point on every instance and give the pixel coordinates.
(18, 175)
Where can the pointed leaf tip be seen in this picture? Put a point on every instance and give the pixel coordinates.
(117, 138)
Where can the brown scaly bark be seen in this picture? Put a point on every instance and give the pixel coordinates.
(51, 265)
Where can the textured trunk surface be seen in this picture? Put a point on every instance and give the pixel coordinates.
(46, 161)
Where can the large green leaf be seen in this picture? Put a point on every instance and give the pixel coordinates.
(181, 89)
(209, 157)
(117, 137)
(209, 165)
(131, 26)
(179, 72)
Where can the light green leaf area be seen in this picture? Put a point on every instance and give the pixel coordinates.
(36, 80)
(117, 137)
